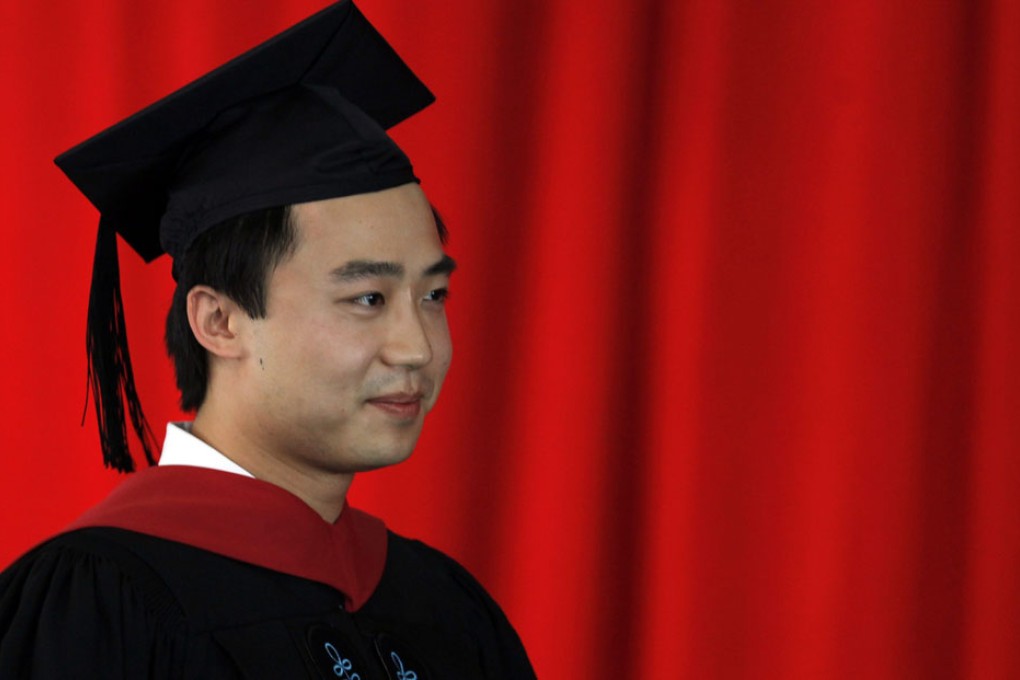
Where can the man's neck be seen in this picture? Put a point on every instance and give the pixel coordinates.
(323, 491)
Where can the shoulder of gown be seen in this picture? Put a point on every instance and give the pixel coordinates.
(82, 605)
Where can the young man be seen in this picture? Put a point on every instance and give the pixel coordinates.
(309, 334)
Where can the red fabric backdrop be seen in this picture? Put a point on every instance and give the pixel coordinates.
(737, 387)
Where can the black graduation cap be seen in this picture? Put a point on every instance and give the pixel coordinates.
(301, 117)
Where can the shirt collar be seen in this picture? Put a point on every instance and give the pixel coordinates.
(183, 448)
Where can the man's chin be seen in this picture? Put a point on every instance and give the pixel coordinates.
(378, 460)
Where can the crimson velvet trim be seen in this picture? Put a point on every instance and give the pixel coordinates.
(252, 521)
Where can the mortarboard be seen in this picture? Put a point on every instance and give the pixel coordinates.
(301, 117)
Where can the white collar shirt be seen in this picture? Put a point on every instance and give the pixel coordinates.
(183, 448)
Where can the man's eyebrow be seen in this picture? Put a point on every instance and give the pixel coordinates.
(365, 269)
(446, 265)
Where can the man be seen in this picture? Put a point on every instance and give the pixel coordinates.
(308, 333)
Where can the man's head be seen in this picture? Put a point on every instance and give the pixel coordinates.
(334, 363)
(299, 119)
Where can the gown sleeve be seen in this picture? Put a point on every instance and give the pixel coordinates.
(503, 656)
(503, 653)
(84, 608)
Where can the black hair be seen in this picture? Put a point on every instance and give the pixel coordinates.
(235, 258)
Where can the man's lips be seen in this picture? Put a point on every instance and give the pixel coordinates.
(401, 404)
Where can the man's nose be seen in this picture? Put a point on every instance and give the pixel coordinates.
(407, 342)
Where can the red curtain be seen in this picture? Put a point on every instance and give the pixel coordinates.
(736, 390)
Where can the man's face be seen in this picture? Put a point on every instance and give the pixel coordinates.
(354, 346)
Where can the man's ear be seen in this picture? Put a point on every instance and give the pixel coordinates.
(215, 320)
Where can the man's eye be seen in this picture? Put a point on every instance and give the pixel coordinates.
(438, 295)
(369, 299)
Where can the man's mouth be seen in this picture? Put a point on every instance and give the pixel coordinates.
(404, 405)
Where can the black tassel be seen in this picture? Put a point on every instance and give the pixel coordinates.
(109, 363)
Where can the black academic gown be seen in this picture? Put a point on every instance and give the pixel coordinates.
(192, 573)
